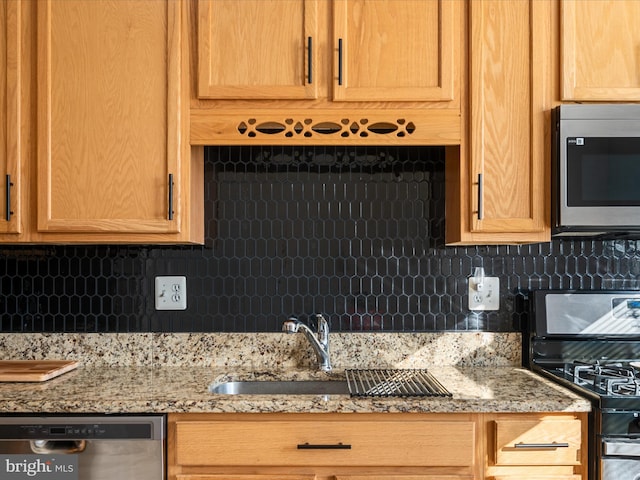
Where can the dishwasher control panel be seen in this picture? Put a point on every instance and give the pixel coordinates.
(76, 431)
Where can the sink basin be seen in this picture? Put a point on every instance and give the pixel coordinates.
(285, 387)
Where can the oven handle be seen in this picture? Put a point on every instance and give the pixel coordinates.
(621, 447)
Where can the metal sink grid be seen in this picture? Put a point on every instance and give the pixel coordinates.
(394, 383)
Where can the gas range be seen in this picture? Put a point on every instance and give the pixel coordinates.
(611, 383)
(589, 341)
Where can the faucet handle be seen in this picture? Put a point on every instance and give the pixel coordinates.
(323, 329)
(321, 321)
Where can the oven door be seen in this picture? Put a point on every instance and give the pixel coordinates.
(620, 459)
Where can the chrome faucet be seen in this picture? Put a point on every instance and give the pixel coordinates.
(319, 343)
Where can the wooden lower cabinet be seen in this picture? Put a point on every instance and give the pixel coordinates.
(316, 477)
(323, 446)
(377, 446)
(529, 446)
(539, 477)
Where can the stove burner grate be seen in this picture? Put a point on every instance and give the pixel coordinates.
(610, 378)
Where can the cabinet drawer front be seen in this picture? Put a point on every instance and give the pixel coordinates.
(244, 477)
(325, 443)
(313, 477)
(537, 442)
(538, 477)
(403, 477)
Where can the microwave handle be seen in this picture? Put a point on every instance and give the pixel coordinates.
(480, 195)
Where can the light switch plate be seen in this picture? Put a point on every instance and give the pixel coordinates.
(484, 293)
(171, 293)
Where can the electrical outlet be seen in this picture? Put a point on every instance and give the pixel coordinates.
(171, 293)
(484, 293)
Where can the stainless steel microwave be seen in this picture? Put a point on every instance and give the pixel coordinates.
(596, 170)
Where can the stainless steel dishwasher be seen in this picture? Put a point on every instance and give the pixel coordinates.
(83, 448)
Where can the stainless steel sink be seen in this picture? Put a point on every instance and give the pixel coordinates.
(284, 387)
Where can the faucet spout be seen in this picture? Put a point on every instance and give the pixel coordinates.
(319, 342)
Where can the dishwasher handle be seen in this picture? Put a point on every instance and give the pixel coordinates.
(54, 447)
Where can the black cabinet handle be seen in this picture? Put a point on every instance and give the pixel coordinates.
(7, 190)
(331, 446)
(310, 60)
(170, 212)
(339, 61)
(480, 195)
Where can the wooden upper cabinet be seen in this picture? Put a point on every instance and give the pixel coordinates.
(508, 98)
(394, 51)
(600, 50)
(282, 49)
(496, 183)
(109, 122)
(327, 72)
(257, 49)
(10, 151)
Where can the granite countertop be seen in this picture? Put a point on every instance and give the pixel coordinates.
(142, 389)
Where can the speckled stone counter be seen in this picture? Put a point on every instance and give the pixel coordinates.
(157, 372)
(185, 389)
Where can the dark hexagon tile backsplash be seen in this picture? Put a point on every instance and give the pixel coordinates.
(356, 233)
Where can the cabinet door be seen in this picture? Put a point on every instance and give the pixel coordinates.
(266, 442)
(372, 476)
(536, 446)
(239, 476)
(10, 151)
(395, 51)
(386, 476)
(509, 96)
(257, 49)
(599, 50)
(531, 441)
(109, 122)
(537, 477)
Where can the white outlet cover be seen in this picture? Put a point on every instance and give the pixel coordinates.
(487, 297)
(171, 293)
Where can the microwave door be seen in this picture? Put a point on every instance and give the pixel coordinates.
(600, 181)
